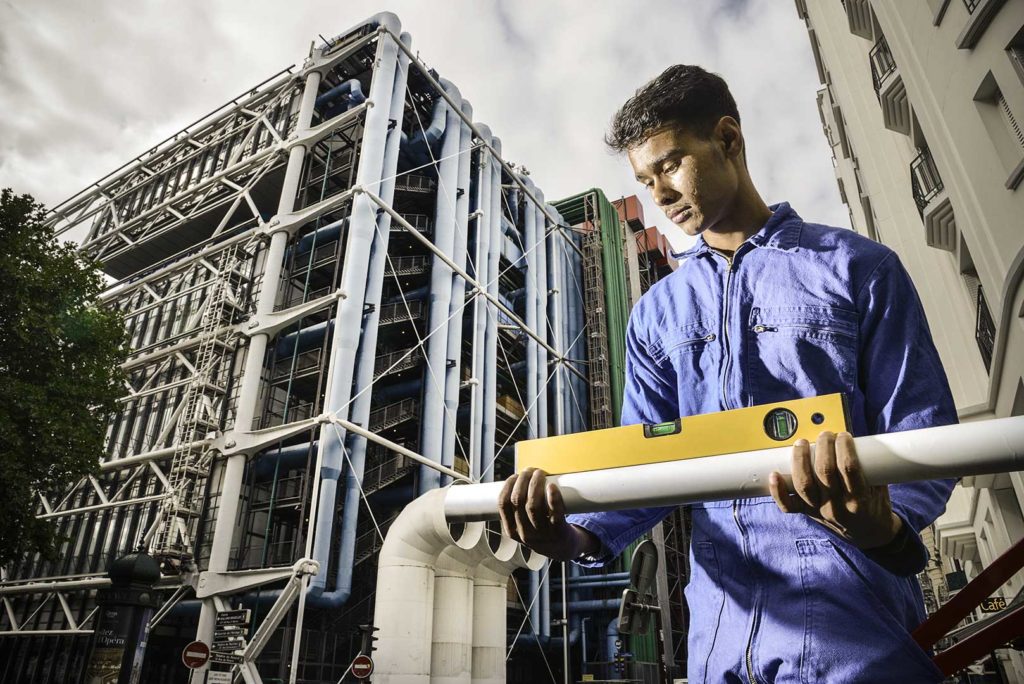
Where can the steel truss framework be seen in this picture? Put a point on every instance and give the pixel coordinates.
(242, 245)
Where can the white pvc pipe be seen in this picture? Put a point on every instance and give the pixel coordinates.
(978, 448)
(490, 597)
(451, 652)
(442, 598)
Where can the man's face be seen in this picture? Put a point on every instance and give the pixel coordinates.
(691, 178)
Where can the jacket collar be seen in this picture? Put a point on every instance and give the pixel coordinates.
(781, 231)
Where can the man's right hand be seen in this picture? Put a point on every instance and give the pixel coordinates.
(532, 512)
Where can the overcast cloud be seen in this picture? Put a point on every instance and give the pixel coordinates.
(86, 86)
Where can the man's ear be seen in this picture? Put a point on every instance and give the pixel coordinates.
(729, 136)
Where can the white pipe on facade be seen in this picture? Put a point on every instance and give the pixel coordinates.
(480, 271)
(534, 373)
(434, 419)
(983, 447)
(487, 453)
(457, 304)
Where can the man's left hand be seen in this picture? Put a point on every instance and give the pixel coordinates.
(833, 491)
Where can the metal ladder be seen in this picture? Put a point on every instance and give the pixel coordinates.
(190, 465)
(597, 341)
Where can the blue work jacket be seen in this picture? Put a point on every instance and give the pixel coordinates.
(800, 310)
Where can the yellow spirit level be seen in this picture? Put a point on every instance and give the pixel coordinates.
(711, 434)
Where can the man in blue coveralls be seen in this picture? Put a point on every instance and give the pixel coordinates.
(816, 583)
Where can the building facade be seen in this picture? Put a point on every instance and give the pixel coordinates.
(922, 102)
(339, 296)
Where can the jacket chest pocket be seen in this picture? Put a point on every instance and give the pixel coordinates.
(801, 351)
(680, 341)
(685, 351)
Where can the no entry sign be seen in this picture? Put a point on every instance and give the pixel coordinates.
(362, 666)
(195, 655)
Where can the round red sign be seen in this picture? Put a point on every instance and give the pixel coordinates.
(195, 655)
(362, 666)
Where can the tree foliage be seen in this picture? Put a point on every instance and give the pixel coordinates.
(60, 376)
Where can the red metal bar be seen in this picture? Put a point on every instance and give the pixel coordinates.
(970, 597)
(1002, 629)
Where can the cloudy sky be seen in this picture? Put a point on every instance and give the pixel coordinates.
(85, 86)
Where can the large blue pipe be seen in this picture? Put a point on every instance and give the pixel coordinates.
(398, 391)
(320, 236)
(420, 293)
(511, 251)
(305, 339)
(417, 149)
(293, 456)
(340, 98)
(591, 605)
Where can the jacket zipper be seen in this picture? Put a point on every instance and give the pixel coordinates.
(736, 504)
(761, 328)
(753, 610)
(725, 334)
(690, 342)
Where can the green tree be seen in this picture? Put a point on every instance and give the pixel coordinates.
(60, 375)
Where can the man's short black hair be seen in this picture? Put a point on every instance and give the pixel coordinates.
(683, 95)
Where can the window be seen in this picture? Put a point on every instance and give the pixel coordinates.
(979, 15)
(984, 325)
(1003, 127)
(938, 8)
(1015, 51)
(925, 181)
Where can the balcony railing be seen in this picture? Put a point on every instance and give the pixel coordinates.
(400, 311)
(397, 361)
(414, 183)
(924, 180)
(422, 223)
(971, 5)
(985, 330)
(393, 414)
(882, 64)
(407, 265)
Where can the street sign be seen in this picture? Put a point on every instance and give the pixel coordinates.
(195, 655)
(993, 605)
(233, 617)
(236, 643)
(362, 666)
(214, 677)
(226, 658)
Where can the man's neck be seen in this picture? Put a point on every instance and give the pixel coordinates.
(749, 216)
